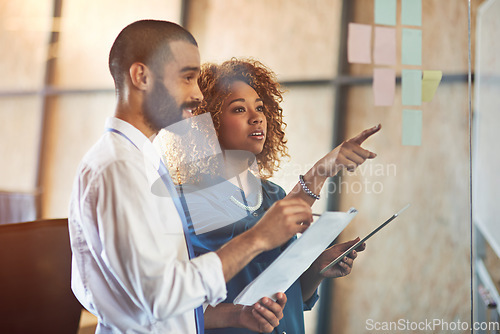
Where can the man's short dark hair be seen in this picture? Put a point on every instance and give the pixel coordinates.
(147, 42)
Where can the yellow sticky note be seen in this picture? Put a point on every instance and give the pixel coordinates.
(430, 83)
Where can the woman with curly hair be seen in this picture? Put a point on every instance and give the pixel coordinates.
(243, 98)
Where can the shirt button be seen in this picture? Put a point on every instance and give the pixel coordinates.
(283, 332)
(255, 215)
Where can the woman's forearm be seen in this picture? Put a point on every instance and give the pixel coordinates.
(314, 181)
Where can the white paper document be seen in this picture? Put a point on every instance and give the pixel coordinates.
(288, 267)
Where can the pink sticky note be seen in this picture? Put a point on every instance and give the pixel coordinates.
(384, 86)
(384, 50)
(359, 43)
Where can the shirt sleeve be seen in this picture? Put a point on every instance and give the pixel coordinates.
(309, 304)
(142, 247)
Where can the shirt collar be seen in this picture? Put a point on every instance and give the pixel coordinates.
(137, 138)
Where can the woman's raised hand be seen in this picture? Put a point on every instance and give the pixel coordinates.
(348, 155)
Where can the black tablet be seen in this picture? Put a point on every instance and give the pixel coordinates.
(356, 245)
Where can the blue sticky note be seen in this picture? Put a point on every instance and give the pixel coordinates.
(412, 47)
(411, 87)
(411, 12)
(412, 127)
(385, 12)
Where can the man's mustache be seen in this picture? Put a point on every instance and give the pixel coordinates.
(190, 105)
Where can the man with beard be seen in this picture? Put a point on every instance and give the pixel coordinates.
(132, 265)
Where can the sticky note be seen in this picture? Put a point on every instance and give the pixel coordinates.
(385, 12)
(411, 87)
(430, 83)
(359, 38)
(411, 12)
(411, 47)
(384, 86)
(384, 50)
(412, 127)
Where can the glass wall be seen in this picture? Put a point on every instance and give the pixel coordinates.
(56, 92)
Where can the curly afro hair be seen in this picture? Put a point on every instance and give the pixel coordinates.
(215, 83)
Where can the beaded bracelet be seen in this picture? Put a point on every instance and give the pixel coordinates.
(307, 190)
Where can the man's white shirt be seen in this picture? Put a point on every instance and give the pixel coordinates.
(130, 261)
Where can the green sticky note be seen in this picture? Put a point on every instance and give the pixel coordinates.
(411, 12)
(412, 127)
(385, 12)
(411, 87)
(411, 47)
(430, 83)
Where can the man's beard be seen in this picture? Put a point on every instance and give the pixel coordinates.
(160, 109)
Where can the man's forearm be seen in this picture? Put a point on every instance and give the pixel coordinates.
(281, 222)
(238, 252)
(222, 316)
